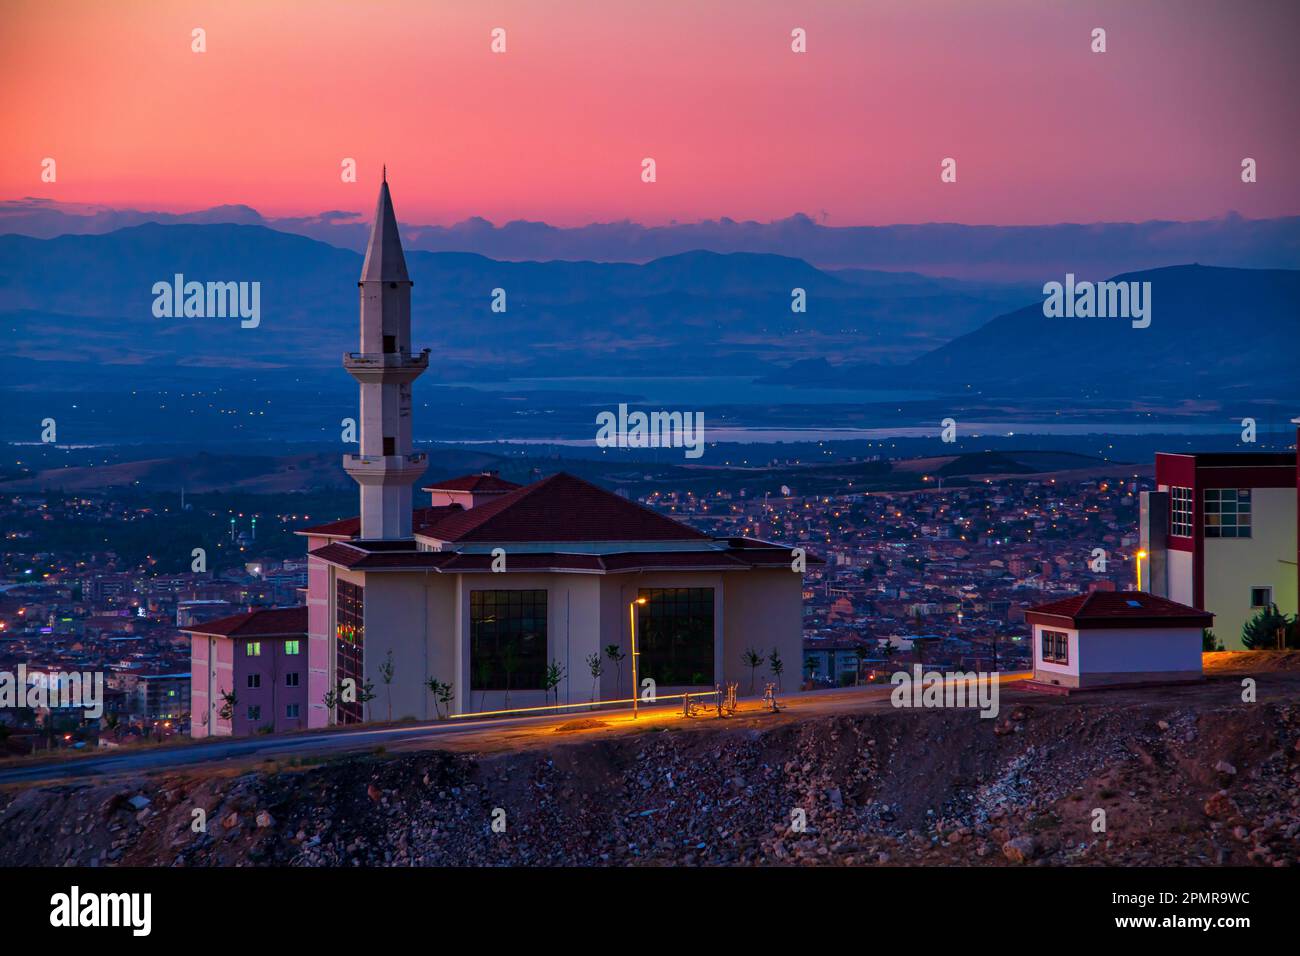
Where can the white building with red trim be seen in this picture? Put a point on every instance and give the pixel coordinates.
(1116, 638)
(1220, 533)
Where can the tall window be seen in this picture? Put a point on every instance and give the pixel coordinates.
(1180, 504)
(350, 631)
(1055, 647)
(507, 633)
(1227, 512)
(674, 634)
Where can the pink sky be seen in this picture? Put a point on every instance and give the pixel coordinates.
(1043, 130)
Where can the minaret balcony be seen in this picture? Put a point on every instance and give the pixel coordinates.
(386, 469)
(385, 367)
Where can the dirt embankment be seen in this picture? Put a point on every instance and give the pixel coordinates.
(1178, 784)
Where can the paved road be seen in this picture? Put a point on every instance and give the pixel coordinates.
(454, 734)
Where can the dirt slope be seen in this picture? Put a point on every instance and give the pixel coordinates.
(1180, 783)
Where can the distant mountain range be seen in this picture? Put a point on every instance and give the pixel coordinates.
(83, 302)
(1230, 334)
(995, 253)
(77, 310)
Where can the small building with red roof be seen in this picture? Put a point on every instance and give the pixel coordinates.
(1113, 638)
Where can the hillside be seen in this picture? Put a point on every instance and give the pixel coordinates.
(274, 474)
(1186, 778)
(1225, 331)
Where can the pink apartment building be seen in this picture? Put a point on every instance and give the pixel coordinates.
(260, 657)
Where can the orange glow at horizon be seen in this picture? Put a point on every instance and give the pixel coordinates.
(555, 128)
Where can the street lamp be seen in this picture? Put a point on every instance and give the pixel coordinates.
(1140, 555)
(631, 616)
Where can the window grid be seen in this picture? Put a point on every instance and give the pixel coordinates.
(675, 636)
(1055, 647)
(1180, 504)
(1227, 512)
(507, 639)
(350, 631)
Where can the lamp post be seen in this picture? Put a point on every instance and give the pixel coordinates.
(631, 617)
(1140, 555)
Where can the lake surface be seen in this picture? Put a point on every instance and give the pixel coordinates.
(677, 391)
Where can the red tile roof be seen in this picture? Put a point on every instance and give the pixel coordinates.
(485, 482)
(561, 508)
(264, 622)
(1119, 609)
(351, 527)
(368, 556)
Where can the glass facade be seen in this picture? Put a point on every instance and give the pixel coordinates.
(350, 634)
(674, 634)
(507, 640)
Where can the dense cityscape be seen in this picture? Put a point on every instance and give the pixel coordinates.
(940, 576)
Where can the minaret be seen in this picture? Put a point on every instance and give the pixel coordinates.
(385, 368)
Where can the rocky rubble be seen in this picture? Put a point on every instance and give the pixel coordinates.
(1180, 787)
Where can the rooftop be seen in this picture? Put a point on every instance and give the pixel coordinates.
(485, 482)
(1120, 609)
(265, 622)
(559, 508)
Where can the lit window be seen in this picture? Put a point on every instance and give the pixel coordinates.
(291, 647)
(254, 648)
(1227, 512)
(350, 634)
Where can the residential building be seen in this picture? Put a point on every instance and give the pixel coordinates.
(1220, 534)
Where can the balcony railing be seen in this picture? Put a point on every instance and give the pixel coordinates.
(386, 359)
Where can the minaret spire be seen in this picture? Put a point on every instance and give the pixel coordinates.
(384, 369)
